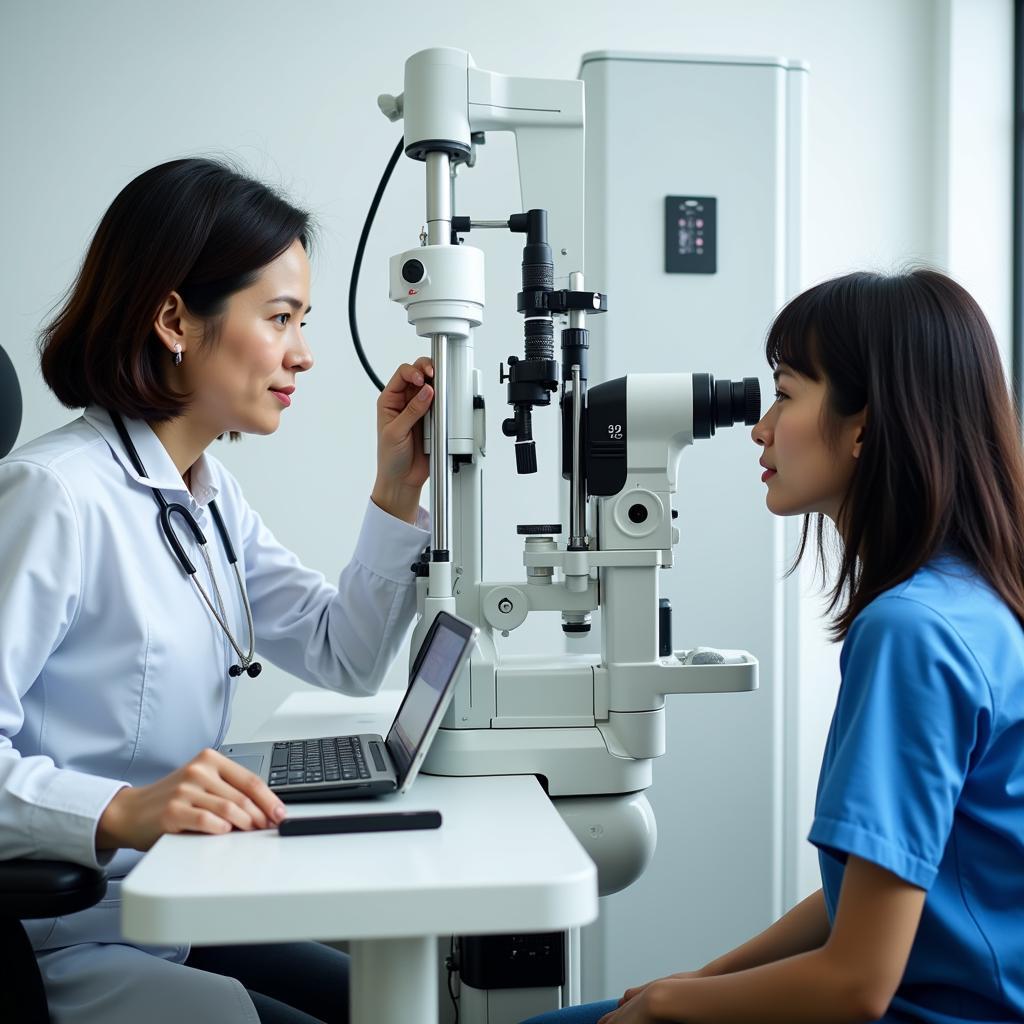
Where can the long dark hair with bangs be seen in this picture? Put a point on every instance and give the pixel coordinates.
(941, 466)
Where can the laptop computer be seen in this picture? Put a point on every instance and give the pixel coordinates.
(353, 767)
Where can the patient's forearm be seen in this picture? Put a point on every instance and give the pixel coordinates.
(811, 988)
(804, 928)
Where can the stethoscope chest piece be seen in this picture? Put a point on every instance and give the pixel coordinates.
(253, 669)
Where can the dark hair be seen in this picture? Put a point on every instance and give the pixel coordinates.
(941, 466)
(193, 226)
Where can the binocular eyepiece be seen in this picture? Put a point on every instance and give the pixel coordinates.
(721, 403)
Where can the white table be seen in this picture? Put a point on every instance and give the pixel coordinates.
(502, 861)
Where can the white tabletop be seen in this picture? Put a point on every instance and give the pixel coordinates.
(321, 713)
(503, 860)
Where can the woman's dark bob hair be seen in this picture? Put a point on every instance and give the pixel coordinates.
(193, 226)
(941, 466)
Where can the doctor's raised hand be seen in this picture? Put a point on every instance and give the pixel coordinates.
(402, 465)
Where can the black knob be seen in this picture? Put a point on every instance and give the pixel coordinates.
(526, 457)
(509, 428)
(412, 271)
(664, 627)
(638, 513)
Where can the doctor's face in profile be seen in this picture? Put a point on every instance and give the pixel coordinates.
(244, 377)
(807, 467)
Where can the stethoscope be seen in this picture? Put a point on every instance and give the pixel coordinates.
(169, 508)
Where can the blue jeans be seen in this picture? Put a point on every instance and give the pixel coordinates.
(590, 1013)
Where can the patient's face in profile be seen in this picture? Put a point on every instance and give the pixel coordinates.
(808, 459)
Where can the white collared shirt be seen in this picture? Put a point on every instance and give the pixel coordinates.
(112, 669)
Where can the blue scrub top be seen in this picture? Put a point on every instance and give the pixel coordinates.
(923, 775)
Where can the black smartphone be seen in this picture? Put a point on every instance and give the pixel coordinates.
(386, 821)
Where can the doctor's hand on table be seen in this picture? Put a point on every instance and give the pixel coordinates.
(210, 794)
(402, 465)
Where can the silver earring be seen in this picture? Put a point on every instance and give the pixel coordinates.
(177, 355)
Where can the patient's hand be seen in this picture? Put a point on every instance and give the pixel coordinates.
(210, 794)
(631, 993)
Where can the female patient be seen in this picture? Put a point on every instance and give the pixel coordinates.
(117, 668)
(892, 420)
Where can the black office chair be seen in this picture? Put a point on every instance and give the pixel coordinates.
(32, 888)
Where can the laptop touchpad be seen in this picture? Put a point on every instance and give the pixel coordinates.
(254, 762)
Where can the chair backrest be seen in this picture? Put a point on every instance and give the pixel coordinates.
(10, 404)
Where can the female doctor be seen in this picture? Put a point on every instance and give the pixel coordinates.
(117, 667)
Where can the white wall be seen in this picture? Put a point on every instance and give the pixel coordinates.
(92, 94)
(973, 72)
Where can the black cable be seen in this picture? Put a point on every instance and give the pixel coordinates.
(354, 282)
(452, 966)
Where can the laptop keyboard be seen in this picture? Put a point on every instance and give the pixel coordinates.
(333, 759)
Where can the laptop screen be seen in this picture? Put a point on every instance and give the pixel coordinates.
(437, 663)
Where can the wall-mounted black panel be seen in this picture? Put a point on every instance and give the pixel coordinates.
(691, 230)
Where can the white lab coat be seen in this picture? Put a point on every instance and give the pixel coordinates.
(113, 672)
